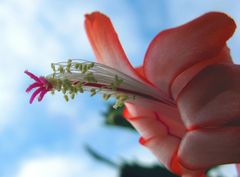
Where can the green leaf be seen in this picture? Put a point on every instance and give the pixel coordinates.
(114, 117)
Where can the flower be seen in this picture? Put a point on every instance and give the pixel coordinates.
(183, 100)
(191, 68)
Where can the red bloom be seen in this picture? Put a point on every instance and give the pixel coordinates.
(190, 66)
(42, 85)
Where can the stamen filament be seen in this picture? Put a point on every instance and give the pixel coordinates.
(79, 75)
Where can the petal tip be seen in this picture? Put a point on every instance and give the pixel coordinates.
(227, 21)
(142, 141)
(94, 15)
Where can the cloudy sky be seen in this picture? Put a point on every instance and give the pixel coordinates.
(46, 139)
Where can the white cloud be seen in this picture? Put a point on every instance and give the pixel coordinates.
(25, 44)
(61, 166)
(224, 170)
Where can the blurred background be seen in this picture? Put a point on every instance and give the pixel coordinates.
(58, 139)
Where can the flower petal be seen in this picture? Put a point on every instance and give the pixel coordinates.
(238, 169)
(166, 116)
(140, 71)
(211, 99)
(185, 77)
(163, 141)
(106, 44)
(151, 129)
(221, 145)
(173, 51)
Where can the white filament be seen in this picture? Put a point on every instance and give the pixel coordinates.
(106, 75)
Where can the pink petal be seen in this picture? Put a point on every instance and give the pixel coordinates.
(34, 77)
(164, 148)
(183, 79)
(175, 50)
(164, 114)
(106, 45)
(144, 121)
(32, 86)
(204, 148)
(158, 138)
(147, 124)
(211, 99)
(238, 169)
(149, 127)
(35, 94)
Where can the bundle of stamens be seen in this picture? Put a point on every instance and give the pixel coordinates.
(77, 76)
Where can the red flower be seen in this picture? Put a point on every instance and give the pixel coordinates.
(191, 68)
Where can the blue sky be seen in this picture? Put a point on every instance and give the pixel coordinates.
(47, 138)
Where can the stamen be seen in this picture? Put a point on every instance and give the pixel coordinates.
(76, 76)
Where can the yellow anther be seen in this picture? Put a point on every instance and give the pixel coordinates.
(66, 98)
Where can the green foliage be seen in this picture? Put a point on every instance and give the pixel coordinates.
(114, 117)
(97, 156)
(137, 170)
(131, 170)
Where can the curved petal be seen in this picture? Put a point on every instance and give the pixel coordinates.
(212, 97)
(186, 76)
(151, 129)
(238, 169)
(221, 145)
(174, 50)
(106, 44)
(162, 108)
(163, 141)
(167, 116)
(144, 121)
